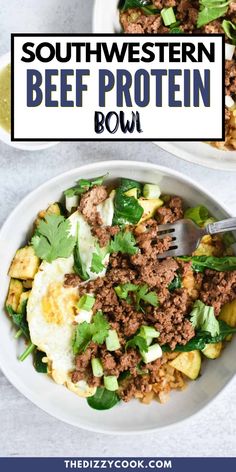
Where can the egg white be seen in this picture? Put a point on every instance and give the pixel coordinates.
(51, 308)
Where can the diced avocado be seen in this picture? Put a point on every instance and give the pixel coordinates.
(133, 192)
(53, 209)
(151, 191)
(25, 264)
(189, 363)
(210, 247)
(228, 314)
(212, 351)
(24, 296)
(149, 207)
(14, 293)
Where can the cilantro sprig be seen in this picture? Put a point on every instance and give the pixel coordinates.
(140, 294)
(97, 331)
(123, 242)
(83, 185)
(211, 10)
(52, 238)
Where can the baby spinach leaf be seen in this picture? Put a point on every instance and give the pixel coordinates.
(127, 209)
(103, 399)
(39, 365)
(19, 319)
(203, 338)
(78, 265)
(221, 264)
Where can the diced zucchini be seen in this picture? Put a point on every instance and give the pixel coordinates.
(14, 293)
(25, 264)
(212, 351)
(133, 192)
(189, 363)
(53, 209)
(27, 284)
(24, 296)
(149, 207)
(228, 314)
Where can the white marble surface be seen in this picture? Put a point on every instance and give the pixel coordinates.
(26, 430)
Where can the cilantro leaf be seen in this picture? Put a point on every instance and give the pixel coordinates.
(83, 185)
(139, 342)
(211, 10)
(52, 239)
(141, 293)
(175, 284)
(230, 30)
(83, 336)
(96, 331)
(97, 264)
(148, 297)
(123, 242)
(100, 328)
(202, 317)
(122, 291)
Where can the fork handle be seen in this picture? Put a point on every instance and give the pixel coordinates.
(221, 226)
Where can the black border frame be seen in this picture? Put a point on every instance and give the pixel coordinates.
(103, 35)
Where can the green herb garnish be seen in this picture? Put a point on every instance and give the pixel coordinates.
(96, 331)
(123, 242)
(83, 185)
(52, 238)
(221, 264)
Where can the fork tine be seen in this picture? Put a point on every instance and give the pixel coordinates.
(170, 253)
(167, 227)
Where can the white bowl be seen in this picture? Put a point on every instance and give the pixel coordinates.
(5, 136)
(57, 400)
(199, 153)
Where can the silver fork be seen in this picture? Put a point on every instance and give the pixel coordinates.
(186, 235)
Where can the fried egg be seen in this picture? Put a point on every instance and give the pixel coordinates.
(52, 308)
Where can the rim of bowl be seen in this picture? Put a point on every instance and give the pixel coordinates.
(217, 163)
(15, 380)
(5, 137)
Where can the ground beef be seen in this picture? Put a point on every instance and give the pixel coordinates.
(172, 211)
(89, 202)
(72, 280)
(171, 320)
(170, 317)
(135, 21)
(104, 233)
(218, 288)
